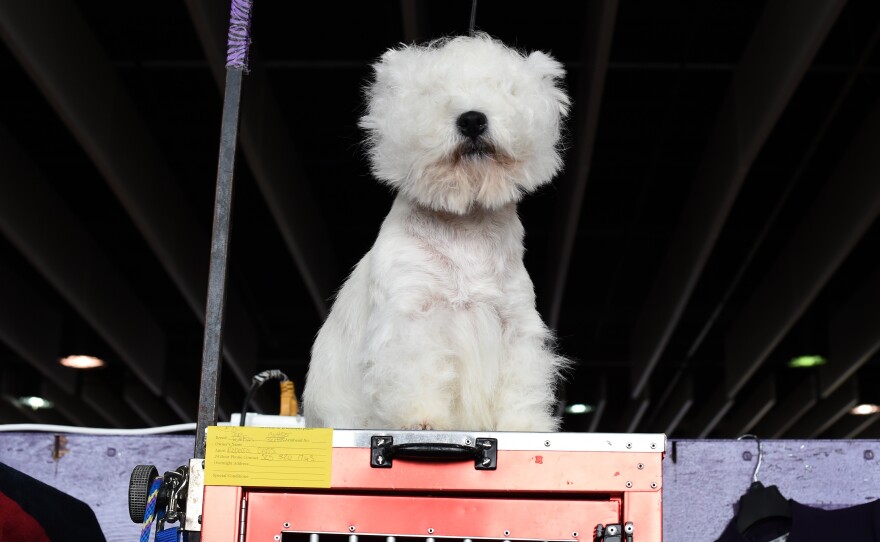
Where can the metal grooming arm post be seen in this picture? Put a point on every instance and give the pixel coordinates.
(236, 66)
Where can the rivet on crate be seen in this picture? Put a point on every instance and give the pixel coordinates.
(506, 533)
(641, 466)
(277, 537)
(629, 445)
(430, 530)
(653, 485)
(653, 445)
(467, 442)
(351, 528)
(574, 534)
(286, 524)
(546, 443)
(629, 484)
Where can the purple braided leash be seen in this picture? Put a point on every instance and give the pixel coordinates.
(239, 35)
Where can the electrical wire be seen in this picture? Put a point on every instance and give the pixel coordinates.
(48, 428)
(258, 380)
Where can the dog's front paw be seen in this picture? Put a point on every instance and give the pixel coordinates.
(424, 426)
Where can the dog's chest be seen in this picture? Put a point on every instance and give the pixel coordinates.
(469, 261)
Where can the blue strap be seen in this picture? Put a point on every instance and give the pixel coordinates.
(170, 534)
(150, 512)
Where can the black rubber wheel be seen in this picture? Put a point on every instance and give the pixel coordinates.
(139, 491)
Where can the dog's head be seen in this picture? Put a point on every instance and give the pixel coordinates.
(465, 122)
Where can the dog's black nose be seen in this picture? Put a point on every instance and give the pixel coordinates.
(472, 124)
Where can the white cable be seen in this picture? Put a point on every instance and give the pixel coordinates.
(96, 430)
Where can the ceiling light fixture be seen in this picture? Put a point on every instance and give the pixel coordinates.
(802, 362)
(578, 408)
(865, 409)
(82, 362)
(35, 403)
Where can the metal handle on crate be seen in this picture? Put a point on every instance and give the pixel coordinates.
(383, 451)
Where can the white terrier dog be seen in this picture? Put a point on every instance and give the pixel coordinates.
(436, 328)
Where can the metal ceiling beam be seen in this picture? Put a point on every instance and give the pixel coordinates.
(271, 156)
(780, 51)
(73, 406)
(633, 414)
(598, 30)
(854, 336)
(682, 399)
(26, 415)
(14, 384)
(348, 64)
(751, 410)
(9, 413)
(600, 406)
(840, 214)
(852, 427)
(825, 414)
(82, 86)
(711, 414)
(31, 327)
(99, 394)
(153, 409)
(49, 235)
(869, 431)
(185, 404)
(595, 396)
(182, 401)
(787, 412)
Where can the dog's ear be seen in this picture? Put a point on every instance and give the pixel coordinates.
(545, 66)
(551, 73)
(394, 62)
(388, 57)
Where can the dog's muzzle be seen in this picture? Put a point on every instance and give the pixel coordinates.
(472, 125)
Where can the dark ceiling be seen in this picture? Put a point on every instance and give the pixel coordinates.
(717, 215)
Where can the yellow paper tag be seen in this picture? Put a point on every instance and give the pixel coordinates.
(268, 457)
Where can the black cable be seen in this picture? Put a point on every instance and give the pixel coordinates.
(473, 17)
(258, 380)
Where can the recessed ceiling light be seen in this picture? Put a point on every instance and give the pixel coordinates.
(865, 409)
(578, 408)
(35, 403)
(801, 362)
(82, 362)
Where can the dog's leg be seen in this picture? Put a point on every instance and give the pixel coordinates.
(526, 398)
(411, 374)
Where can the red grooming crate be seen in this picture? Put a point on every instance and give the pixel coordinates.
(497, 486)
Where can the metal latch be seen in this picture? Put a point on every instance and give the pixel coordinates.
(614, 532)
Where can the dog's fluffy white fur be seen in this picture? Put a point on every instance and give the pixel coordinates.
(436, 328)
